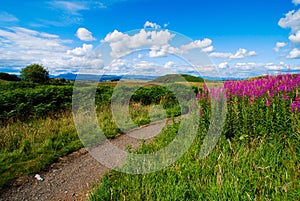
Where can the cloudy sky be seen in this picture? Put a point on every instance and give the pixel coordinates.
(235, 37)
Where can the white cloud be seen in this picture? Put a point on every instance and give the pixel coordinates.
(279, 45)
(294, 54)
(6, 17)
(84, 34)
(152, 25)
(157, 41)
(223, 65)
(169, 64)
(296, 2)
(220, 54)
(295, 38)
(121, 44)
(205, 45)
(81, 51)
(161, 51)
(208, 49)
(291, 20)
(20, 47)
(240, 54)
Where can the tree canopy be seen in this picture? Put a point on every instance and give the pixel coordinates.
(35, 73)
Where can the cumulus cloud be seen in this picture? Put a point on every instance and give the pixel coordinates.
(223, 65)
(291, 20)
(81, 51)
(157, 41)
(294, 54)
(169, 64)
(205, 45)
(84, 34)
(295, 38)
(279, 45)
(151, 25)
(296, 2)
(121, 44)
(20, 47)
(240, 54)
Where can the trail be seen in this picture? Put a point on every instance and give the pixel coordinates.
(74, 176)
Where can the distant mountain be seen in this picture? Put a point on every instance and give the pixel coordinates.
(165, 78)
(91, 77)
(71, 76)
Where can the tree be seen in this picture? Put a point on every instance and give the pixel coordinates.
(35, 73)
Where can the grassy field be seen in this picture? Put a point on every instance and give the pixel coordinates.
(261, 168)
(256, 158)
(32, 143)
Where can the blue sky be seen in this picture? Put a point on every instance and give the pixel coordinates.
(240, 37)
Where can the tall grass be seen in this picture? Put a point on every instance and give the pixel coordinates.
(262, 168)
(256, 158)
(29, 146)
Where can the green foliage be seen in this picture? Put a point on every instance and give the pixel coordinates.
(8, 77)
(32, 102)
(35, 73)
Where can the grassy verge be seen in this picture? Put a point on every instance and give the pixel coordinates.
(27, 147)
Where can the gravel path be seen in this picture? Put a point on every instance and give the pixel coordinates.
(75, 175)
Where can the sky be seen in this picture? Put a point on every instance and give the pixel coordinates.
(233, 38)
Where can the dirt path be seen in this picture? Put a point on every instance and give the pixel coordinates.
(75, 175)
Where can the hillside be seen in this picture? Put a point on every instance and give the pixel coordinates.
(178, 78)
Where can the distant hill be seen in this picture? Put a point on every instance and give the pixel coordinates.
(164, 79)
(8, 77)
(71, 76)
(178, 78)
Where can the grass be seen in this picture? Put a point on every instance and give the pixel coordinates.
(30, 146)
(256, 158)
(27, 147)
(262, 168)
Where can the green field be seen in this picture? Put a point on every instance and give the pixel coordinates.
(256, 157)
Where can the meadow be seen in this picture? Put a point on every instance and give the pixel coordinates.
(37, 127)
(256, 158)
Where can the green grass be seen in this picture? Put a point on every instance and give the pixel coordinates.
(256, 158)
(262, 168)
(27, 147)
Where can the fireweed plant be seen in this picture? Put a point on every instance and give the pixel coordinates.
(258, 106)
(256, 157)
